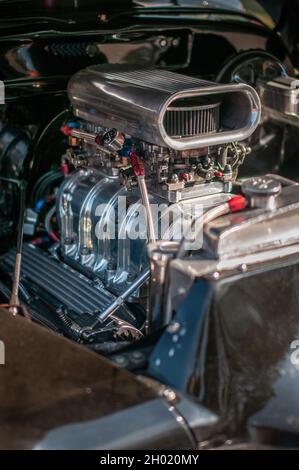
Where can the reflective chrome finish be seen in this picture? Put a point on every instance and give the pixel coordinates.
(88, 201)
(139, 281)
(160, 254)
(136, 101)
(262, 191)
(255, 230)
(280, 99)
(242, 242)
(146, 204)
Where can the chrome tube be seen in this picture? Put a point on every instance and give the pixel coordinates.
(160, 254)
(147, 208)
(207, 217)
(119, 301)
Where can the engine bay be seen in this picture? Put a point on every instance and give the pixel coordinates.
(171, 159)
(149, 214)
(93, 259)
(145, 153)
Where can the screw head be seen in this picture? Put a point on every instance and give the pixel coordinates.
(170, 395)
(243, 268)
(163, 43)
(216, 276)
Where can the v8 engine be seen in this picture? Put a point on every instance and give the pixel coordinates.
(149, 221)
(152, 156)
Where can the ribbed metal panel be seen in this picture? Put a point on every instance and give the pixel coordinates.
(192, 121)
(150, 78)
(74, 291)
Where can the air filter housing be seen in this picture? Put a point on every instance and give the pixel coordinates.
(164, 108)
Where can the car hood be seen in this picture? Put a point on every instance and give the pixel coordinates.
(63, 8)
(48, 381)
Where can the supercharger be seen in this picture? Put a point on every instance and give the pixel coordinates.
(187, 134)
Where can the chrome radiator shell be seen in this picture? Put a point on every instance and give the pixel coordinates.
(239, 243)
(135, 101)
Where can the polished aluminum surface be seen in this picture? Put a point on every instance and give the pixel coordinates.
(280, 99)
(86, 203)
(119, 301)
(160, 254)
(241, 242)
(262, 191)
(146, 204)
(255, 230)
(135, 101)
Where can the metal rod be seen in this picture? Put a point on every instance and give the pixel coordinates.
(139, 172)
(88, 137)
(147, 207)
(14, 299)
(119, 301)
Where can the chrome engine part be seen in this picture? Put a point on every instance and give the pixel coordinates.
(265, 234)
(78, 300)
(164, 108)
(166, 118)
(280, 99)
(142, 141)
(88, 204)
